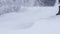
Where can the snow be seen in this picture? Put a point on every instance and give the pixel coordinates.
(31, 20)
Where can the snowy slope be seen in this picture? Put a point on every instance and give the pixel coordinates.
(42, 26)
(31, 21)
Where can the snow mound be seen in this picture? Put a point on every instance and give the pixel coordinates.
(40, 12)
(26, 18)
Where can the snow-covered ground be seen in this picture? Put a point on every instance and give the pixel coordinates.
(34, 20)
(29, 19)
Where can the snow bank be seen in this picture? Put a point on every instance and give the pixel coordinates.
(25, 22)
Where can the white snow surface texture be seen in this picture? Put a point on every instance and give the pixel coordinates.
(32, 20)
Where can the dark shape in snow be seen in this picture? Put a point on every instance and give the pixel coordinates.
(59, 11)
